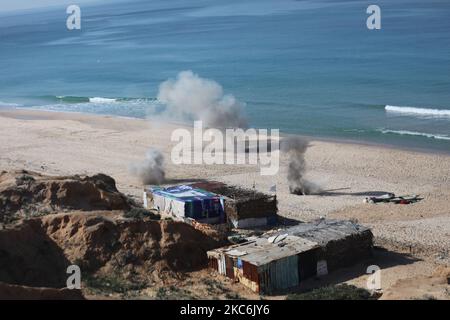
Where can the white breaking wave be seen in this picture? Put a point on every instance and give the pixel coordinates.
(415, 133)
(101, 100)
(419, 111)
(9, 104)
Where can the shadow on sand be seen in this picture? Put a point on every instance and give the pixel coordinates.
(382, 258)
(339, 192)
(182, 181)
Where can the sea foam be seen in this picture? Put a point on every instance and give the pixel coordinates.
(415, 133)
(102, 100)
(419, 111)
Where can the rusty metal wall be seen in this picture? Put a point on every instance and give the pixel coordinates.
(213, 264)
(229, 262)
(250, 271)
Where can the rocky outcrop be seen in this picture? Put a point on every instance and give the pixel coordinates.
(25, 194)
(50, 223)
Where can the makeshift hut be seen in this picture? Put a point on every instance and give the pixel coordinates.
(244, 208)
(282, 260)
(264, 266)
(186, 202)
(342, 242)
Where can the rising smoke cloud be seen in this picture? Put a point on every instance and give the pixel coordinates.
(192, 97)
(295, 148)
(151, 170)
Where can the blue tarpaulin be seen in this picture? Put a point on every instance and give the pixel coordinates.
(189, 202)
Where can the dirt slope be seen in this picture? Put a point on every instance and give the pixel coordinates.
(25, 194)
(83, 220)
(97, 241)
(38, 251)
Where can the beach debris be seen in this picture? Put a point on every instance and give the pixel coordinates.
(391, 198)
(383, 198)
(406, 199)
(237, 239)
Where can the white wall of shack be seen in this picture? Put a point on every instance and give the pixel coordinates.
(249, 222)
(222, 264)
(169, 206)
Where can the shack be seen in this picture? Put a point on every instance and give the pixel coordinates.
(186, 202)
(281, 260)
(265, 266)
(244, 208)
(342, 242)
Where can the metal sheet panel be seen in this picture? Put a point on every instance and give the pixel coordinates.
(286, 273)
(307, 264)
(249, 223)
(229, 267)
(145, 200)
(280, 274)
(213, 263)
(250, 271)
(222, 265)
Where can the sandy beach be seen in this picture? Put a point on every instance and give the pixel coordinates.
(69, 143)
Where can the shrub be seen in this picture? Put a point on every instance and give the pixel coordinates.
(336, 292)
(233, 296)
(22, 179)
(141, 213)
(111, 284)
(174, 293)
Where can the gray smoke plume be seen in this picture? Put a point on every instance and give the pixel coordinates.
(151, 170)
(192, 97)
(295, 148)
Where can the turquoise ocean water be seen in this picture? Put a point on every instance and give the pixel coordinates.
(308, 67)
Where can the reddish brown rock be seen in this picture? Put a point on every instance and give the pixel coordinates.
(25, 193)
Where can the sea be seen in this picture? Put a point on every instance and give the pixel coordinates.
(309, 67)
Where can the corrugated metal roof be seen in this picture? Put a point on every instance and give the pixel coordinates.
(260, 251)
(292, 241)
(324, 231)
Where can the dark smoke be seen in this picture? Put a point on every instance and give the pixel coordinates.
(151, 170)
(295, 148)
